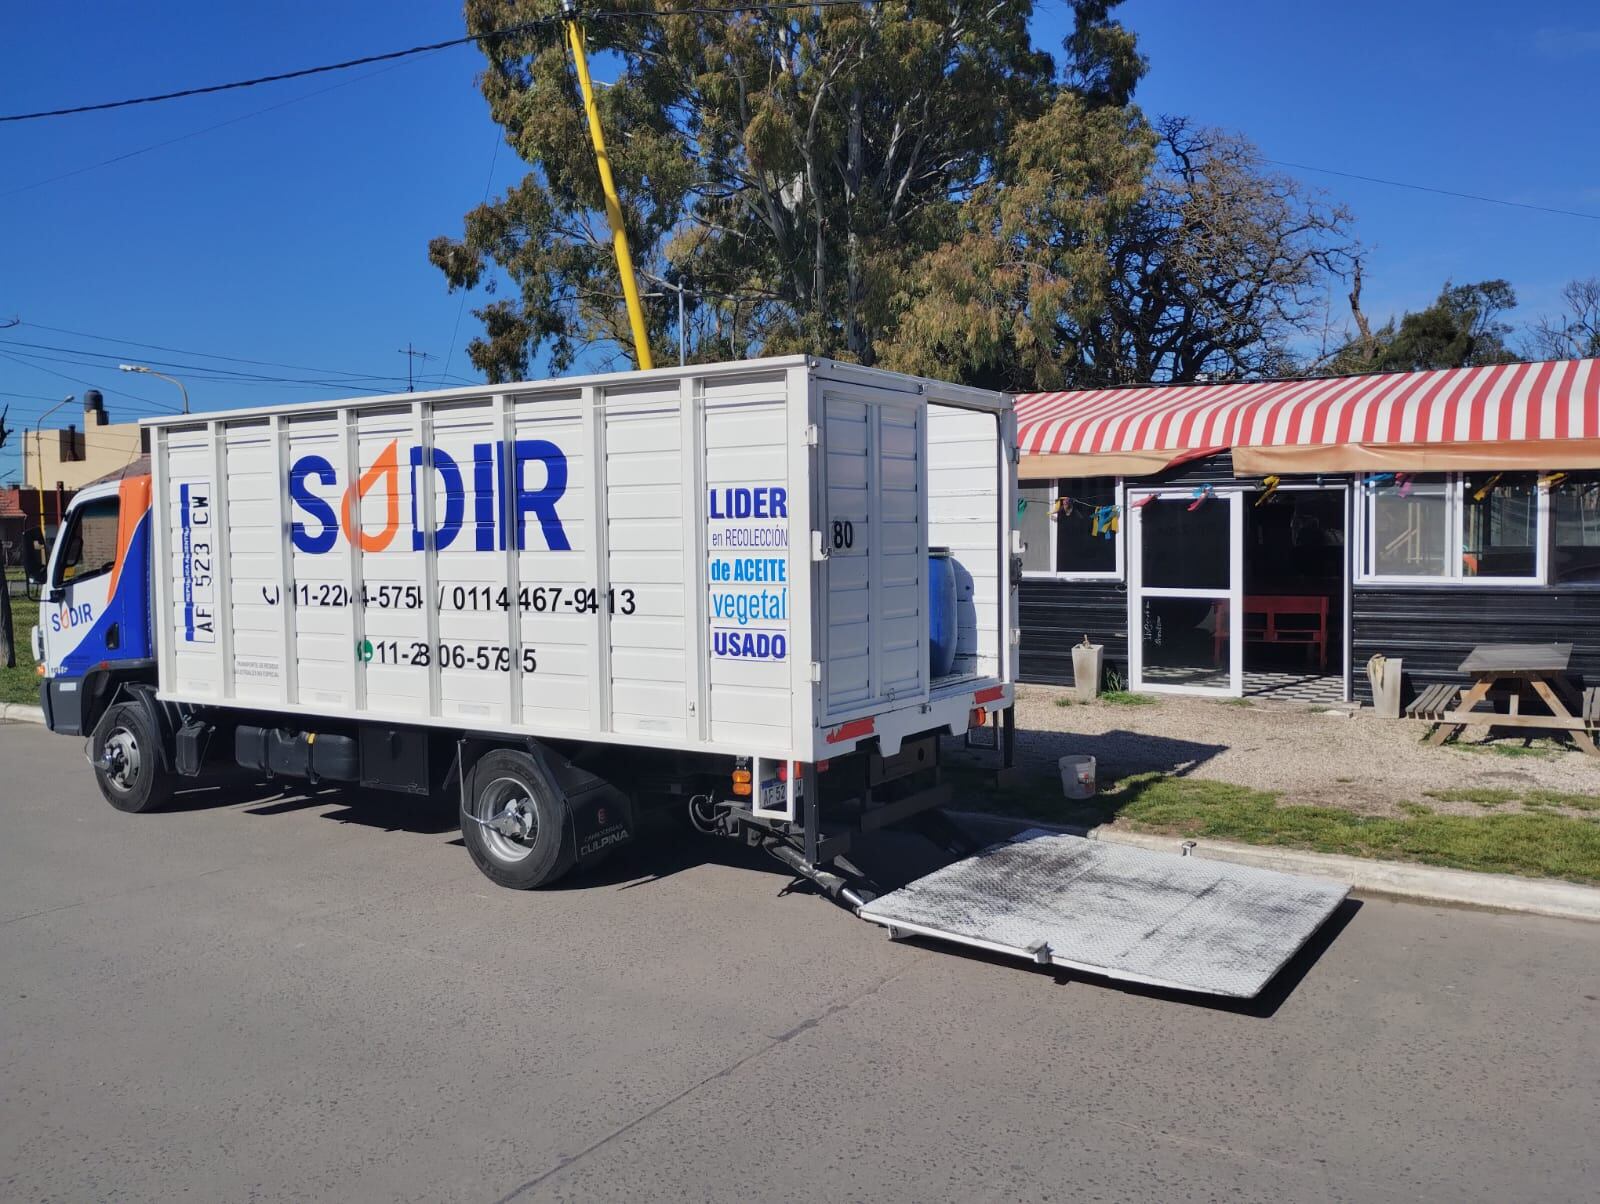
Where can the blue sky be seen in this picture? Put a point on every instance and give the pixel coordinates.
(298, 234)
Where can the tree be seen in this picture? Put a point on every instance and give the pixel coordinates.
(1217, 269)
(1462, 328)
(805, 174)
(1103, 264)
(1574, 334)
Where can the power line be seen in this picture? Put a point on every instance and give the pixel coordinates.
(278, 78)
(78, 380)
(488, 35)
(212, 355)
(144, 150)
(201, 371)
(455, 331)
(1465, 196)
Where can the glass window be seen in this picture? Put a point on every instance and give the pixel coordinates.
(1079, 549)
(1409, 528)
(1500, 524)
(1058, 526)
(1183, 548)
(1037, 498)
(91, 546)
(1575, 529)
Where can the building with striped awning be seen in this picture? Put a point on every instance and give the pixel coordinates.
(1267, 538)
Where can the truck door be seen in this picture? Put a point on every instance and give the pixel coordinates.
(97, 603)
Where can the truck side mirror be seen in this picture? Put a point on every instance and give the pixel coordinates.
(33, 555)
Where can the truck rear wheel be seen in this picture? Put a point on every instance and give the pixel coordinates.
(516, 822)
(127, 760)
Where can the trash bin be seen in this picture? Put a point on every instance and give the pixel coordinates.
(1087, 660)
(1384, 674)
(1077, 775)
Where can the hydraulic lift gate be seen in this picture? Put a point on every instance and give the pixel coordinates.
(1131, 914)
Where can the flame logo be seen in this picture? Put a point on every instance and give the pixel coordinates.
(387, 464)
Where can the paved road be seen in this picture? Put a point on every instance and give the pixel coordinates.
(266, 997)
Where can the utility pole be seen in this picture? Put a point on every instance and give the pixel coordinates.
(412, 356)
(619, 235)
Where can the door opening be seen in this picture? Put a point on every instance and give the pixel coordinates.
(1295, 597)
(1186, 584)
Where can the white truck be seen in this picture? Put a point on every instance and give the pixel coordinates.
(760, 592)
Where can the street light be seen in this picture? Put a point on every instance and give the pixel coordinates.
(38, 452)
(162, 375)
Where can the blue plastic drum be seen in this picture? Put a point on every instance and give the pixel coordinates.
(941, 612)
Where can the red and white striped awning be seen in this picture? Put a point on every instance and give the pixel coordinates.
(1553, 401)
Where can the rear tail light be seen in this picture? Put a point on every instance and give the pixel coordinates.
(978, 718)
(741, 781)
(785, 768)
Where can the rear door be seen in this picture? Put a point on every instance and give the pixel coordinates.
(874, 536)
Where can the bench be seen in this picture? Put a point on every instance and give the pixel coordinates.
(1263, 615)
(1591, 706)
(1433, 703)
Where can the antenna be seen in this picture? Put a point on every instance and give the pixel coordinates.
(412, 356)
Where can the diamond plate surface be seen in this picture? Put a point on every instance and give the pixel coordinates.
(1131, 914)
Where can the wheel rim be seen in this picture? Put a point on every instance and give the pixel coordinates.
(506, 817)
(122, 759)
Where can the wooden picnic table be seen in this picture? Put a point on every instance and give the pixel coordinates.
(1516, 671)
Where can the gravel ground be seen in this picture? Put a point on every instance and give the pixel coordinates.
(1355, 761)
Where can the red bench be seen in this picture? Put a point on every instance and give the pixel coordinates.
(1262, 615)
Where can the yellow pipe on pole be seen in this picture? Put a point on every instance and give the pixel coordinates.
(619, 236)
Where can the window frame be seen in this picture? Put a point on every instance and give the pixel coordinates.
(73, 525)
(1119, 494)
(1456, 578)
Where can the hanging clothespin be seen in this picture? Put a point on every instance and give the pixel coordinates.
(1022, 508)
(1379, 479)
(1271, 482)
(1201, 493)
(1405, 480)
(1487, 487)
(1144, 501)
(1551, 480)
(1063, 505)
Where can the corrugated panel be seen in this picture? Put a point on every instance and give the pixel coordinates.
(1433, 630)
(1058, 614)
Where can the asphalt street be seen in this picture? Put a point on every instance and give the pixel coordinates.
(265, 996)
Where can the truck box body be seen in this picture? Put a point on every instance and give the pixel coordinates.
(725, 559)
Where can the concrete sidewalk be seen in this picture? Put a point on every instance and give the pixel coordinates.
(1402, 879)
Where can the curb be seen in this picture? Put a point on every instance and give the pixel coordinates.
(16, 712)
(1421, 883)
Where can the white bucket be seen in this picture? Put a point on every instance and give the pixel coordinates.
(1077, 775)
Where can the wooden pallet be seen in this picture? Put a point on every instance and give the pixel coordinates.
(1433, 703)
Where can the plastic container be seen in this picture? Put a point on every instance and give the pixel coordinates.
(1077, 775)
(941, 612)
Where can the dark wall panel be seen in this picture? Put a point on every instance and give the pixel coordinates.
(1432, 630)
(1058, 614)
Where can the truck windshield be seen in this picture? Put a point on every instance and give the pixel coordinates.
(90, 546)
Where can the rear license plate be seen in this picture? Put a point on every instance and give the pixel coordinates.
(773, 794)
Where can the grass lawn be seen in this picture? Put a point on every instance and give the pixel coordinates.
(1537, 841)
(22, 683)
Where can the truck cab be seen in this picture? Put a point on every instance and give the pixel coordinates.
(94, 631)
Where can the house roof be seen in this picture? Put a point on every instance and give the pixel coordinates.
(1498, 404)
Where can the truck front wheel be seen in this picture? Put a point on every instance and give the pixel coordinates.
(127, 760)
(516, 822)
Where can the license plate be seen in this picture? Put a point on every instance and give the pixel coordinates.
(774, 796)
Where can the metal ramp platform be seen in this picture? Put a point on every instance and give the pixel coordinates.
(1154, 918)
